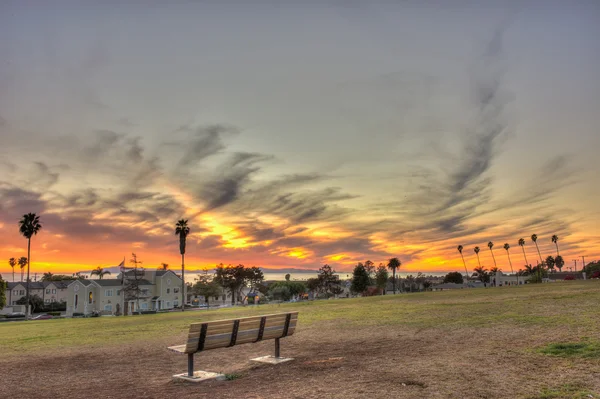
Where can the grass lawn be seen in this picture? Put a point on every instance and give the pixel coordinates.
(538, 341)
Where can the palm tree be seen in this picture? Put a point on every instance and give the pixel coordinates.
(476, 250)
(507, 247)
(522, 245)
(490, 246)
(460, 249)
(550, 262)
(22, 263)
(393, 264)
(182, 230)
(534, 239)
(494, 270)
(29, 226)
(47, 276)
(559, 262)
(12, 262)
(555, 241)
(164, 266)
(481, 273)
(100, 272)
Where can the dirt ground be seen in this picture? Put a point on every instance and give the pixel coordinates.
(386, 362)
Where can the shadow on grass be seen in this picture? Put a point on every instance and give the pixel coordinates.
(566, 391)
(573, 349)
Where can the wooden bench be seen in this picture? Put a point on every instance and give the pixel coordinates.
(225, 333)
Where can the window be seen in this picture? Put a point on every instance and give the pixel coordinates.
(175, 290)
(168, 304)
(168, 290)
(53, 300)
(76, 298)
(144, 306)
(145, 291)
(54, 290)
(22, 292)
(15, 292)
(118, 292)
(175, 304)
(216, 298)
(90, 298)
(108, 292)
(47, 290)
(108, 308)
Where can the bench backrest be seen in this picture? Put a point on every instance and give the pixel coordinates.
(224, 333)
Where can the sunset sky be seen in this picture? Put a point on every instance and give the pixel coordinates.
(292, 136)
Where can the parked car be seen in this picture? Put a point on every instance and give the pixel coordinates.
(15, 315)
(43, 317)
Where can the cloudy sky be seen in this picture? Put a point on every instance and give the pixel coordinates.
(297, 135)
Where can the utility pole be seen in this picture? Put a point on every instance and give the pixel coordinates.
(575, 260)
(583, 259)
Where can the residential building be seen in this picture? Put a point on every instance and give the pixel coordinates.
(49, 291)
(156, 290)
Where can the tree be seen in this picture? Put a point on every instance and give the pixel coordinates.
(287, 277)
(394, 264)
(22, 263)
(559, 262)
(370, 268)
(490, 246)
(12, 263)
(280, 288)
(555, 241)
(131, 281)
(47, 276)
(494, 270)
(329, 282)
(460, 249)
(2, 293)
(381, 277)
(313, 284)
(182, 230)
(482, 274)
(507, 247)
(35, 302)
(254, 276)
(550, 262)
(29, 226)
(534, 238)
(476, 250)
(360, 279)
(232, 278)
(522, 245)
(454, 277)
(207, 287)
(100, 272)
(164, 266)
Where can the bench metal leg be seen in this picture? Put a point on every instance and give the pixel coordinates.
(190, 364)
(277, 348)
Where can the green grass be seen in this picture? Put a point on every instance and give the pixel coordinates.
(574, 349)
(567, 391)
(551, 306)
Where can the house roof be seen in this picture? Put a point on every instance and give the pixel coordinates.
(33, 285)
(116, 282)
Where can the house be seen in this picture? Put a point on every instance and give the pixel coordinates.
(49, 291)
(155, 290)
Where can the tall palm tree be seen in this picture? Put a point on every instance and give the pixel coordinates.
(522, 245)
(182, 230)
(393, 264)
(22, 263)
(460, 249)
(29, 226)
(507, 247)
(100, 272)
(12, 262)
(164, 266)
(476, 250)
(559, 262)
(555, 241)
(534, 239)
(490, 246)
(550, 262)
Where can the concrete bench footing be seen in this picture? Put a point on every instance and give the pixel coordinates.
(199, 376)
(272, 359)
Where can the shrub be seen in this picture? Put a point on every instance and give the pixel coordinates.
(453, 277)
(569, 277)
(596, 274)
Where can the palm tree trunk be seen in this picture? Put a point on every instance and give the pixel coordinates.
(465, 264)
(511, 268)
(13, 280)
(538, 251)
(494, 258)
(557, 253)
(182, 282)
(28, 311)
(525, 256)
(394, 279)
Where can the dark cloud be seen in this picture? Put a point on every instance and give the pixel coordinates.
(201, 143)
(15, 202)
